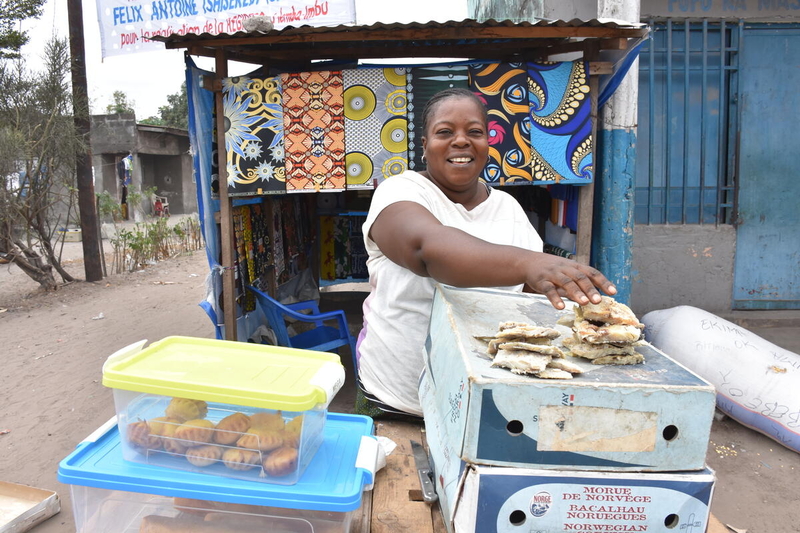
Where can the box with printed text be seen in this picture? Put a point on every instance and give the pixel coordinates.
(649, 417)
(490, 499)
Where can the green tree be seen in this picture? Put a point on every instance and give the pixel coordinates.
(121, 104)
(12, 12)
(38, 147)
(176, 113)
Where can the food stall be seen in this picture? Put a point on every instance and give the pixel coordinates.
(296, 189)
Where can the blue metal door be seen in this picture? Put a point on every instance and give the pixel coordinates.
(767, 264)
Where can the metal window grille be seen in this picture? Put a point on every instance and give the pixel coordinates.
(687, 123)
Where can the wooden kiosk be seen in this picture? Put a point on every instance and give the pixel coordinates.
(297, 49)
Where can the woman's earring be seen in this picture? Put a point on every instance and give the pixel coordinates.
(424, 161)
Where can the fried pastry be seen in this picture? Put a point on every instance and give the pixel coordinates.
(239, 459)
(261, 439)
(204, 455)
(280, 462)
(230, 428)
(186, 409)
(268, 421)
(193, 432)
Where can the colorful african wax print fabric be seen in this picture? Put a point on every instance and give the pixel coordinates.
(253, 135)
(313, 122)
(278, 255)
(375, 107)
(424, 82)
(561, 122)
(503, 87)
(262, 258)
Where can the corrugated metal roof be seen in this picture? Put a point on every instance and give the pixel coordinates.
(380, 26)
(506, 40)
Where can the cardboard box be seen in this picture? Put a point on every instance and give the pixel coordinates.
(22, 507)
(231, 409)
(489, 499)
(647, 417)
(111, 495)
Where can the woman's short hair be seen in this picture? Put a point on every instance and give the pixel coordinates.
(457, 92)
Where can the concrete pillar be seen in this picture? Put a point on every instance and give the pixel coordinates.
(612, 238)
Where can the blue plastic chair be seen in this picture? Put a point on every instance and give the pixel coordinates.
(321, 337)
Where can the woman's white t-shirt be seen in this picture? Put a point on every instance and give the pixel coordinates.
(397, 310)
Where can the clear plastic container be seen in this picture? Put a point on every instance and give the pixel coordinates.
(225, 408)
(112, 495)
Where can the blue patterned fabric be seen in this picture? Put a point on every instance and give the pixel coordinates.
(561, 122)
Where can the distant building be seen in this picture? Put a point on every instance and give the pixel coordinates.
(129, 156)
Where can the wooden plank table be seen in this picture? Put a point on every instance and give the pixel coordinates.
(395, 504)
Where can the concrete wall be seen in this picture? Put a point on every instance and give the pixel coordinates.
(683, 265)
(113, 133)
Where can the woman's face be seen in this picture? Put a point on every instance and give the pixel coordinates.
(456, 144)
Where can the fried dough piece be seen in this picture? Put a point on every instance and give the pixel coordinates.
(240, 459)
(521, 361)
(262, 439)
(281, 462)
(230, 428)
(204, 455)
(610, 311)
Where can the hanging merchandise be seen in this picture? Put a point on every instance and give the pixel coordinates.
(327, 249)
(561, 122)
(358, 252)
(375, 107)
(262, 258)
(313, 123)
(127, 162)
(503, 87)
(254, 135)
(424, 82)
(278, 254)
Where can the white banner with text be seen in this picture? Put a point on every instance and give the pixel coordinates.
(127, 25)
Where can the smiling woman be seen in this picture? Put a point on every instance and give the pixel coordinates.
(445, 225)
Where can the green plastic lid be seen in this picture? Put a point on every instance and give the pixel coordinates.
(238, 373)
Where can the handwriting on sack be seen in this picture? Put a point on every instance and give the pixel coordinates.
(788, 415)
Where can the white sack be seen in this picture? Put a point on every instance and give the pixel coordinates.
(757, 382)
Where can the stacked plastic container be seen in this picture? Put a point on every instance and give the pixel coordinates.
(616, 448)
(221, 436)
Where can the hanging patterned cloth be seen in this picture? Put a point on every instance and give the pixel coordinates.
(253, 135)
(313, 123)
(504, 89)
(375, 106)
(424, 82)
(561, 122)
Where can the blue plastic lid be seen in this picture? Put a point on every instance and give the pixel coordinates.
(333, 481)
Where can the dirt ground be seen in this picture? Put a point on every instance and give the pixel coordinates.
(52, 347)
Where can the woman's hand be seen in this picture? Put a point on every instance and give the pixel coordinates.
(557, 277)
